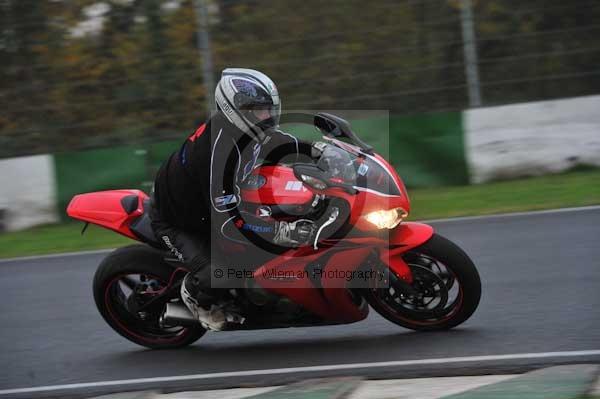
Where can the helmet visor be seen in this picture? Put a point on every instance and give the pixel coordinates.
(264, 116)
(256, 105)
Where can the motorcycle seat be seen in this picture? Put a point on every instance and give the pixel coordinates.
(142, 227)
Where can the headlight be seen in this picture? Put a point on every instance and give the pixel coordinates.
(387, 219)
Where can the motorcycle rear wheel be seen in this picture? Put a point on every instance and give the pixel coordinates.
(445, 291)
(134, 274)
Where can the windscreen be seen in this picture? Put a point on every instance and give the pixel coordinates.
(357, 169)
(338, 165)
(373, 176)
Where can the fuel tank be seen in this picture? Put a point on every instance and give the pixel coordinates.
(271, 189)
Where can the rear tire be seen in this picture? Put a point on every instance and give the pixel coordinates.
(109, 295)
(461, 276)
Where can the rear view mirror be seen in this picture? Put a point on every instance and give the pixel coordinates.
(334, 126)
(314, 177)
(311, 175)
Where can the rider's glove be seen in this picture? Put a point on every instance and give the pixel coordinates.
(294, 234)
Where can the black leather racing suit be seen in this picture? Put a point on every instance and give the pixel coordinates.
(196, 191)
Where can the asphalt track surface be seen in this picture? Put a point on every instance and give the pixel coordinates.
(541, 293)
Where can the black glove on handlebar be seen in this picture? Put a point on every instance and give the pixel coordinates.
(298, 233)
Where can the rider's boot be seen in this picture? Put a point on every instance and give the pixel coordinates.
(206, 308)
(202, 306)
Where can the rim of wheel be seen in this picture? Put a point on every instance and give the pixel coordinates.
(126, 290)
(434, 296)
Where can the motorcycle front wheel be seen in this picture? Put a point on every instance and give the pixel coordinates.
(445, 291)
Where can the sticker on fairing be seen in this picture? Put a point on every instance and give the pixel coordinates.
(362, 169)
(225, 200)
(294, 186)
(257, 229)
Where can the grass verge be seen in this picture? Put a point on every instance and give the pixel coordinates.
(548, 192)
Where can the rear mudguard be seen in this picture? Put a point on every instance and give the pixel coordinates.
(403, 238)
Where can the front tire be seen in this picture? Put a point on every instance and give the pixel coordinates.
(135, 273)
(445, 291)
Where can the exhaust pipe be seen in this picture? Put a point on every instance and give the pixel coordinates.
(177, 314)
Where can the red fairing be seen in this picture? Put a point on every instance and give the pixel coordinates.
(410, 234)
(280, 188)
(105, 208)
(403, 238)
(321, 293)
(289, 275)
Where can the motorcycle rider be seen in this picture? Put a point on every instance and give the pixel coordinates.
(196, 191)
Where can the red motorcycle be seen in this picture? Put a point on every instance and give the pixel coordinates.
(417, 278)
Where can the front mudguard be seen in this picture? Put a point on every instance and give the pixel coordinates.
(403, 238)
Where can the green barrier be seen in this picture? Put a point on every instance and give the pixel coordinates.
(427, 150)
(105, 169)
(108, 169)
(159, 153)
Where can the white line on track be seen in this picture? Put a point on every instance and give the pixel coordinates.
(294, 370)
(438, 221)
(59, 255)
